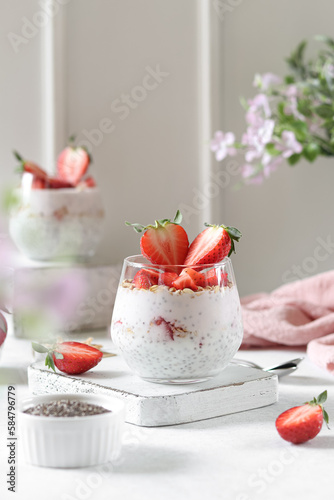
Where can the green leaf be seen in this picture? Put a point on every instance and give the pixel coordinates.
(178, 218)
(58, 355)
(293, 159)
(289, 79)
(324, 111)
(325, 39)
(234, 233)
(17, 156)
(139, 228)
(322, 398)
(311, 151)
(49, 362)
(39, 348)
(270, 147)
(326, 417)
(304, 107)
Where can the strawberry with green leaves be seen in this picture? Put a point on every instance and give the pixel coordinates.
(72, 358)
(212, 245)
(165, 242)
(41, 179)
(302, 423)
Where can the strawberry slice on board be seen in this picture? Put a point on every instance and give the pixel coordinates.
(165, 242)
(212, 245)
(302, 423)
(72, 163)
(72, 358)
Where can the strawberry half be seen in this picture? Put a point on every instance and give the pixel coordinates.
(167, 278)
(145, 278)
(72, 358)
(212, 245)
(302, 423)
(72, 164)
(164, 243)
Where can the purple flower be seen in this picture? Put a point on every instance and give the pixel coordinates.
(257, 138)
(221, 145)
(266, 80)
(251, 175)
(270, 163)
(259, 103)
(289, 144)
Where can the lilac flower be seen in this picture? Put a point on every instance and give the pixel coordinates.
(291, 108)
(259, 103)
(266, 80)
(270, 163)
(257, 138)
(221, 145)
(251, 175)
(289, 144)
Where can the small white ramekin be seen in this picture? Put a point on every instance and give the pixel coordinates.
(71, 441)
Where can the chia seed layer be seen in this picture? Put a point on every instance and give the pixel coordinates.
(66, 408)
(165, 333)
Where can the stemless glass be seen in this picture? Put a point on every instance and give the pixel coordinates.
(48, 224)
(177, 336)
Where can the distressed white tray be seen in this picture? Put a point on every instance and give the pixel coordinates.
(238, 388)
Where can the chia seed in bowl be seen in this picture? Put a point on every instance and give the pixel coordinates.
(66, 408)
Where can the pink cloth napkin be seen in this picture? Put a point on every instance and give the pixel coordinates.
(296, 314)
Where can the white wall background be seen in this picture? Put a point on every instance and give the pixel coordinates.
(150, 162)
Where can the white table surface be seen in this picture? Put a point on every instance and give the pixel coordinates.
(236, 457)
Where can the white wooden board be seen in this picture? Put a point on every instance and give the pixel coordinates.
(237, 389)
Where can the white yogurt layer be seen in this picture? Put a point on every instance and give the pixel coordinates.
(177, 335)
(57, 223)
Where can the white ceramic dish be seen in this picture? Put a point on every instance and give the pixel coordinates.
(67, 442)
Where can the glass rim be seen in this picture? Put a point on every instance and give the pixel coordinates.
(131, 260)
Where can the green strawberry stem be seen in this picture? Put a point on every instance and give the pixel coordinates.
(233, 233)
(319, 401)
(139, 228)
(50, 352)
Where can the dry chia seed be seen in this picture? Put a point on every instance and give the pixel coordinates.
(66, 408)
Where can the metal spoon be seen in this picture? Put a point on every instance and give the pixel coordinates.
(280, 370)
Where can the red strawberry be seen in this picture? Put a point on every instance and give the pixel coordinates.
(89, 182)
(301, 423)
(211, 278)
(30, 167)
(54, 183)
(212, 245)
(38, 183)
(165, 242)
(198, 278)
(167, 278)
(72, 358)
(72, 164)
(184, 281)
(145, 278)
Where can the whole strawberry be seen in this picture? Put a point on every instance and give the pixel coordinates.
(72, 358)
(165, 242)
(302, 423)
(212, 245)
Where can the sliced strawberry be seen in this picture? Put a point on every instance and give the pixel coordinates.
(167, 278)
(166, 327)
(165, 242)
(145, 278)
(212, 245)
(54, 183)
(211, 278)
(30, 167)
(197, 278)
(184, 281)
(72, 164)
(89, 182)
(72, 358)
(38, 183)
(301, 423)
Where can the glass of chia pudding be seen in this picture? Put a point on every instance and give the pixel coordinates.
(178, 323)
(48, 224)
